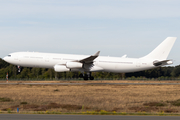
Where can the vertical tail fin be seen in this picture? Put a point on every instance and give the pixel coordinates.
(162, 51)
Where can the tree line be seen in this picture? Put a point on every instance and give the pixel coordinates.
(43, 73)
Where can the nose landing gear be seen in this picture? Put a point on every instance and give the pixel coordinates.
(19, 69)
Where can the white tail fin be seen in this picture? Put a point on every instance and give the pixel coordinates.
(161, 52)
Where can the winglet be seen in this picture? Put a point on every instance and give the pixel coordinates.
(97, 54)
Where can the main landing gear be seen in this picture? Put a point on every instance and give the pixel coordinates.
(86, 76)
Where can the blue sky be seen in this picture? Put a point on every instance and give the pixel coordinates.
(115, 27)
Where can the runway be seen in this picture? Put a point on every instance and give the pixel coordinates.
(90, 83)
(82, 117)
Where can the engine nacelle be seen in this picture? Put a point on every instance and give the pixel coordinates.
(60, 68)
(73, 65)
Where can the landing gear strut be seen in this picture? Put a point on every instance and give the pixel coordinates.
(90, 77)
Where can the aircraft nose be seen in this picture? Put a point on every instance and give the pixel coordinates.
(5, 59)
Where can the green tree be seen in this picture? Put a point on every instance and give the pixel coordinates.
(176, 71)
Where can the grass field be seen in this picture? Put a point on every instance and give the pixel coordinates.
(79, 98)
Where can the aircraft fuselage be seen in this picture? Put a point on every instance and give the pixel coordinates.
(102, 63)
(93, 63)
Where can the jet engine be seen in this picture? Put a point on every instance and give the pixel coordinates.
(60, 68)
(74, 65)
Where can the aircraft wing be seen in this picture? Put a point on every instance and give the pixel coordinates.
(89, 59)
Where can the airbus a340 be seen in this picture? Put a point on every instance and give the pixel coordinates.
(93, 63)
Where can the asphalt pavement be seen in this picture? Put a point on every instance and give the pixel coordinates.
(82, 117)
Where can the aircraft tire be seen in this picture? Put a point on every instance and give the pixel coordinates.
(81, 75)
(91, 78)
(85, 78)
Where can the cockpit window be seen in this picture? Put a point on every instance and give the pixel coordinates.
(9, 55)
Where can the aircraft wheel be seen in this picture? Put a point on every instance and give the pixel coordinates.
(86, 77)
(81, 75)
(91, 78)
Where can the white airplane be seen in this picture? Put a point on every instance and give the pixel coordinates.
(93, 63)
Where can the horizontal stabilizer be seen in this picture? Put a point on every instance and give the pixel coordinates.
(161, 63)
